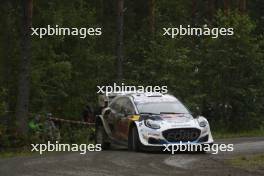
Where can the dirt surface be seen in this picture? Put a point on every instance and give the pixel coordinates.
(119, 162)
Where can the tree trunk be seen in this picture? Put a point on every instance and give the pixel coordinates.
(8, 59)
(242, 6)
(152, 16)
(226, 7)
(211, 9)
(24, 76)
(120, 33)
(194, 11)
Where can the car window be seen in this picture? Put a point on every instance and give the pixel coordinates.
(116, 105)
(162, 107)
(128, 106)
(122, 105)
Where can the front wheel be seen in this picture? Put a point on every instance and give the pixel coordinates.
(134, 143)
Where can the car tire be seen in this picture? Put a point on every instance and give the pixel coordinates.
(134, 143)
(101, 137)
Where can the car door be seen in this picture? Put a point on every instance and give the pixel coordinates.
(118, 118)
(113, 115)
(122, 122)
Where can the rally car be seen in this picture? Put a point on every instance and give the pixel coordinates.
(143, 120)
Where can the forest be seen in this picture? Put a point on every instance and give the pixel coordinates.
(223, 76)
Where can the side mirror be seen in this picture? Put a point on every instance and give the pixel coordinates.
(126, 112)
(120, 115)
(197, 112)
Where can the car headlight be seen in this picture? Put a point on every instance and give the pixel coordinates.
(202, 123)
(152, 124)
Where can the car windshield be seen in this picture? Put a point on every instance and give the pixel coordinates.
(162, 108)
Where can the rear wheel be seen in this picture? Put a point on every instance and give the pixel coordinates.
(134, 143)
(101, 137)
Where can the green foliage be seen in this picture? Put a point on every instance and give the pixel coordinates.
(2, 102)
(223, 76)
(249, 162)
(233, 68)
(79, 134)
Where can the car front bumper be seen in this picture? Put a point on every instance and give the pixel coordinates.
(156, 137)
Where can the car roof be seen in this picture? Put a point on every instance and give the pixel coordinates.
(139, 98)
(153, 97)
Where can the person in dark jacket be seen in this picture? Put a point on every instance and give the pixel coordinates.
(87, 114)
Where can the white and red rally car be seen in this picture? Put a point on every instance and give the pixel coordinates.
(143, 120)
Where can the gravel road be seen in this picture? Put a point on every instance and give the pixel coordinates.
(120, 162)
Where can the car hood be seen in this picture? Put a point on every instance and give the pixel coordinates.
(171, 118)
(178, 118)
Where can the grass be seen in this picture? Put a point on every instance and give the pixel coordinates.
(225, 135)
(10, 154)
(253, 162)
